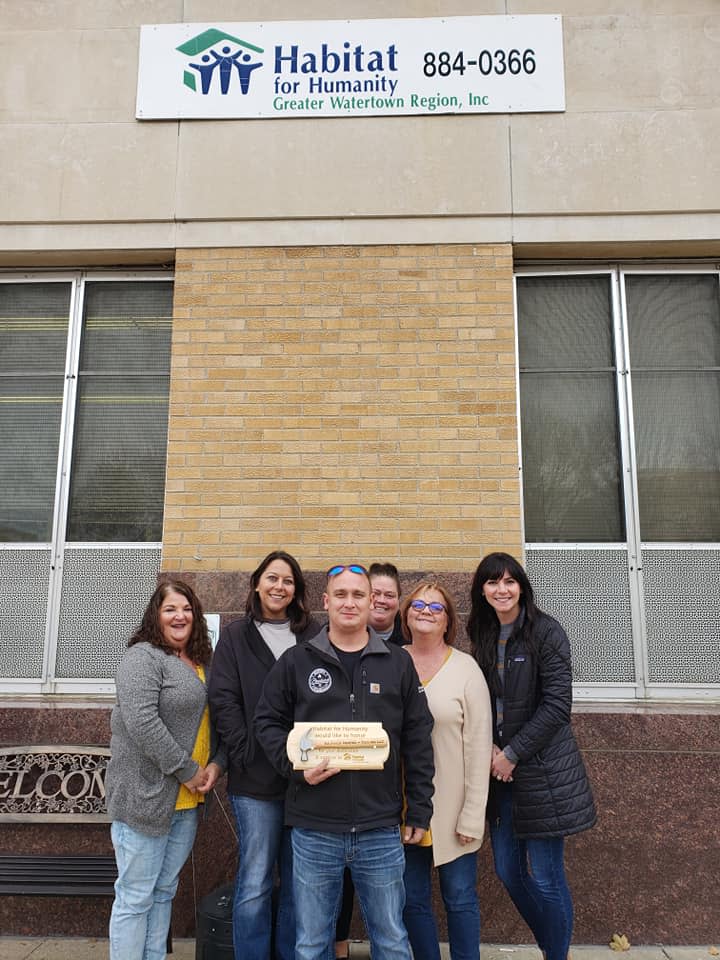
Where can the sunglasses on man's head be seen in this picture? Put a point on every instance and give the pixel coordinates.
(434, 607)
(352, 567)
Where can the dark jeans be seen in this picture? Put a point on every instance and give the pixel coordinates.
(263, 844)
(458, 886)
(533, 873)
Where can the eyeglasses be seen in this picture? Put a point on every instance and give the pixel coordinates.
(352, 567)
(433, 607)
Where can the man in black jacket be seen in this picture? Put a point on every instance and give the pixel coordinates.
(350, 818)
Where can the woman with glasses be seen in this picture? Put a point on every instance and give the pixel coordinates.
(458, 698)
(539, 789)
(275, 620)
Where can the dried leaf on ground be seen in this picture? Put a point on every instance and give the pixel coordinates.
(619, 942)
(714, 952)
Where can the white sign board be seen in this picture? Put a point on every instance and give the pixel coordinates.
(213, 624)
(351, 68)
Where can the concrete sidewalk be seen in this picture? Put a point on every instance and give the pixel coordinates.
(77, 949)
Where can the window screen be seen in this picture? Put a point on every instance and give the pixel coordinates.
(34, 330)
(120, 438)
(568, 407)
(674, 336)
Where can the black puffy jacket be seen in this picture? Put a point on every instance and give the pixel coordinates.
(551, 791)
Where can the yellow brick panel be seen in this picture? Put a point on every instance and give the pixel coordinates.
(342, 403)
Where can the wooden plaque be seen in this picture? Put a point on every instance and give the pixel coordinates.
(350, 746)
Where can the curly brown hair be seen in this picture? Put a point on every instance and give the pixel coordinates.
(199, 648)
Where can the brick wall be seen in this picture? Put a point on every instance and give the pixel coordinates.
(342, 403)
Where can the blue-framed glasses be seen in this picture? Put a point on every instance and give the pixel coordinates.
(434, 607)
(352, 567)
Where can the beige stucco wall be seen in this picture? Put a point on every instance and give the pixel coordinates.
(633, 158)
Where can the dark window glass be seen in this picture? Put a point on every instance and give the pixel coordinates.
(120, 438)
(33, 343)
(568, 407)
(674, 335)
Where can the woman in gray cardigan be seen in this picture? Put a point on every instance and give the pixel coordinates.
(163, 760)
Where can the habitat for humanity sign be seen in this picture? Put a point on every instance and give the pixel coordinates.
(339, 68)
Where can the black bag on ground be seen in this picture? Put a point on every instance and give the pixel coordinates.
(214, 933)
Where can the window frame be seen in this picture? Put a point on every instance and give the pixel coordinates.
(49, 682)
(643, 688)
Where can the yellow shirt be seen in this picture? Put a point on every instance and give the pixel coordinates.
(186, 799)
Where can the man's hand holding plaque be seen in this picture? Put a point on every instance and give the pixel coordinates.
(346, 746)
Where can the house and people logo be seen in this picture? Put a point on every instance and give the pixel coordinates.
(218, 61)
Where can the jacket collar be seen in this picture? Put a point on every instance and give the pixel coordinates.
(258, 645)
(321, 642)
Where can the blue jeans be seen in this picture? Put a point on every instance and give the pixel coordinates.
(458, 886)
(148, 873)
(263, 843)
(533, 873)
(376, 861)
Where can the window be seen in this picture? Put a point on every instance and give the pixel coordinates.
(571, 462)
(84, 383)
(118, 478)
(619, 382)
(674, 331)
(34, 329)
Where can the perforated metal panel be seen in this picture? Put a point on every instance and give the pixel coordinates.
(24, 579)
(682, 613)
(588, 592)
(104, 594)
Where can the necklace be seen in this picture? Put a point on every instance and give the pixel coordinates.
(428, 662)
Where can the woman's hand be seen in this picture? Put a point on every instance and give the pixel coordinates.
(413, 834)
(501, 768)
(196, 781)
(463, 839)
(212, 775)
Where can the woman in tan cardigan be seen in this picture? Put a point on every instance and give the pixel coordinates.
(462, 743)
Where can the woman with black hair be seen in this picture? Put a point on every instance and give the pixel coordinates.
(275, 619)
(539, 789)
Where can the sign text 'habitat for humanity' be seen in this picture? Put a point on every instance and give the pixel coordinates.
(351, 68)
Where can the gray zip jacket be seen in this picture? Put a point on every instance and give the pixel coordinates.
(160, 703)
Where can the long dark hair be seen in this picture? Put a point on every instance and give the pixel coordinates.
(297, 611)
(199, 648)
(483, 627)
